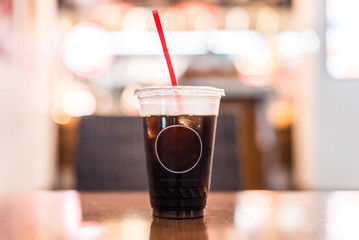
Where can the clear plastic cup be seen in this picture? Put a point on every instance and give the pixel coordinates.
(179, 130)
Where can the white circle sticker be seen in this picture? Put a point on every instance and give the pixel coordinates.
(178, 148)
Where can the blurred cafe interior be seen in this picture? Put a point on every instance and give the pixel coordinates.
(289, 69)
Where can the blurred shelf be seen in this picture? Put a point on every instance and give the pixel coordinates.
(234, 88)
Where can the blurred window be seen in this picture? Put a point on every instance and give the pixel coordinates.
(342, 38)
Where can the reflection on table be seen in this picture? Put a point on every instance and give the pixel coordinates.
(127, 215)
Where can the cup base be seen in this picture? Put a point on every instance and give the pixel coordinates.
(180, 214)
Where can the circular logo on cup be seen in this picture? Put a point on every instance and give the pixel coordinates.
(178, 148)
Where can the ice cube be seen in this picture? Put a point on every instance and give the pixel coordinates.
(190, 121)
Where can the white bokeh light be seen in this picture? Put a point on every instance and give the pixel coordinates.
(79, 103)
(87, 50)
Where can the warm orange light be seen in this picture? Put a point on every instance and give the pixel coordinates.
(87, 50)
(237, 19)
(59, 116)
(110, 14)
(279, 113)
(175, 19)
(268, 20)
(198, 15)
(136, 19)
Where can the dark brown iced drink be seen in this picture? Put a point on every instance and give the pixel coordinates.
(179, 130)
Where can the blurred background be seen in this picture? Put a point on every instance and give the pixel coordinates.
(288, 67)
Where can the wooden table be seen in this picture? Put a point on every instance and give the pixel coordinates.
(124, 215)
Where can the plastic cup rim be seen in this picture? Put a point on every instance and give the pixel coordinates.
(200, 91)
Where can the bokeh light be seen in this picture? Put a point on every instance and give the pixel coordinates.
(280, 113)
(238, 43)
(199, 15)
(293, 45)
(268, 20)
(58, 115)
(342, 36)
(310, 41)
(237, 19)
(136, 19)
(78, 103)
(87, 50)
(289, 44)
(110, 14)
(175, 19)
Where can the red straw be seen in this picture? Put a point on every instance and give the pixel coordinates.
(164, 47)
